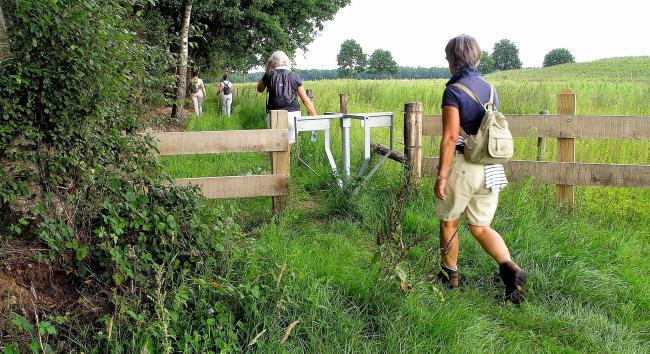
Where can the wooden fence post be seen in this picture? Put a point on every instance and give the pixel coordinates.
(280, 161)
(343, 103)
(541, 141)
(413, 141)
(566, 105)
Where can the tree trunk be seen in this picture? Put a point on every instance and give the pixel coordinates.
(181, 84)
(5, 51)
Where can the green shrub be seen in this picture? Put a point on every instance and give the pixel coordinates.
(77, 177)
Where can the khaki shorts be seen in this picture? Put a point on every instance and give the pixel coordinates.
(466, 193)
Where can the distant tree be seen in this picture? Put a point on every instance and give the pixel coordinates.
(382, 63)
(506, 55)
(487, 63)
(558, 56)
(351, 59)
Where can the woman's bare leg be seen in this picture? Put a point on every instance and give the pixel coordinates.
(491, 242)
(449, 253)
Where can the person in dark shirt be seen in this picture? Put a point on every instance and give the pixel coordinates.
(467, 188)
(278, 74)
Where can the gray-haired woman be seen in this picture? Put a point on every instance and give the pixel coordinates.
(284, 87)
(467, 188)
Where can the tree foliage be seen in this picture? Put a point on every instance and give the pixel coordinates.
(351, 59)
(506, 55)
(487, 63)
(241, 34)
(558, 56)
(381, 63)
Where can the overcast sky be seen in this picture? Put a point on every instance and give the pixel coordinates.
(416, 31)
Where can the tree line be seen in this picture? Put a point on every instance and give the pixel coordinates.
(505, 56)
(403, 73)
(354, 63)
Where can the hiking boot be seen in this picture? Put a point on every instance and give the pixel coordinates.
(448, 277)
(514, 279)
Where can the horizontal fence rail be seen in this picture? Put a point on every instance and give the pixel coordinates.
(563, 126)
(212, 142)
(239, 186)
(274, 140)
(568, 173)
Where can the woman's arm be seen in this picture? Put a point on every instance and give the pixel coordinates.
(260, 86)
(306, 100)
(450, 131)
(205, 92)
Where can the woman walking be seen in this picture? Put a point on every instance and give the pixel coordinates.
(197, 89)
(284, 87)
(467, 188)
(225, 89)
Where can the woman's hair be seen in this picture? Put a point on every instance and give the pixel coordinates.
(225, 76)
(463, 52)
(195, 72)
(279, 58)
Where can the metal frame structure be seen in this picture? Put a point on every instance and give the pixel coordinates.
(367, 122)
(317, 123)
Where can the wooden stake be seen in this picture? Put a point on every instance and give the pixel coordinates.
(343, 103)
(566, 105)
(280, 161)
(413, 141)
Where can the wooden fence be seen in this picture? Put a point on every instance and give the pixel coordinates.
(566, 127)
(272, 140)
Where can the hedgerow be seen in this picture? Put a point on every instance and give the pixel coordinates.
(78, 178)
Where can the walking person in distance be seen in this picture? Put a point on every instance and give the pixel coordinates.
(225, 89)
(198, 93)
(469, 188)
(284, 87)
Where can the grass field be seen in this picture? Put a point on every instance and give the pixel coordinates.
(589, 270)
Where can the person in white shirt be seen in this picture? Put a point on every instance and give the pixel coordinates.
(197, 89)
(225, 89)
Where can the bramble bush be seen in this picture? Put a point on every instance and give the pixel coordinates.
(77, 176)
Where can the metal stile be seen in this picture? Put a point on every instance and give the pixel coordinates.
(367, 122)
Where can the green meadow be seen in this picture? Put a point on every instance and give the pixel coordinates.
(319, 262)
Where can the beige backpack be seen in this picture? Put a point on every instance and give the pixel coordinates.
(493, 143)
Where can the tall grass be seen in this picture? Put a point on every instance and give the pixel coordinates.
(589, 273)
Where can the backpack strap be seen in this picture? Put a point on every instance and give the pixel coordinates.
(473, 95)
(490, 104)
(470, 93)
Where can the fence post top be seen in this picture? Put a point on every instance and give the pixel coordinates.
(567, 91)
(413, 107)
